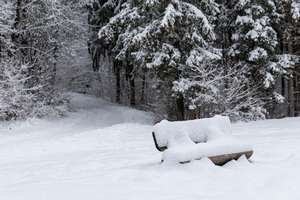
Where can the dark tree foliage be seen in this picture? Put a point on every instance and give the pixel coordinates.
(239, 58)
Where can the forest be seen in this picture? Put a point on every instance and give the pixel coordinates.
(180, 59)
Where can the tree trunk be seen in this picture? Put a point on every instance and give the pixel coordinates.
(17, 19)
(130, 75)
(296, 95)
(0, 52)
(180, 108)
(204, 104)
(54, 68)
(132, 91)
(143, 89)
(291, 106)
(118, 81)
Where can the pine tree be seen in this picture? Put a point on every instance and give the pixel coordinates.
(253, 42)
(174, 41)
(287, 55)
(100, 12)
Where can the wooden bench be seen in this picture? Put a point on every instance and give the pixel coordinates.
(192, 140)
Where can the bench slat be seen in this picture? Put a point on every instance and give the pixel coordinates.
(223, 159)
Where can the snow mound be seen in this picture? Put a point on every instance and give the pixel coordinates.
(189, 140)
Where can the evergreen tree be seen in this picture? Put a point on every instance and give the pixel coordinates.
(174, 41)
(252, 45)
(100, 12)
(288, 56)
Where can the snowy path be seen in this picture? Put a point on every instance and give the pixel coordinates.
(105, 152)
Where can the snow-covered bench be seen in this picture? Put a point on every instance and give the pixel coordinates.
(184, 141)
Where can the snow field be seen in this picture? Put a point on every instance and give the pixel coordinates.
(106, 152)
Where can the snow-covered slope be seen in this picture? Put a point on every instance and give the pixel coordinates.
(106, 152)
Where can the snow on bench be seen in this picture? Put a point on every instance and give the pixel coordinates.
(184, 141)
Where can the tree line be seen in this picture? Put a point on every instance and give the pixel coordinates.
(236, 57)
(34, 37)
(179, 59)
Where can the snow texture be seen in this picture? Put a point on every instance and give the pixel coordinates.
(170, 16)
(295, 10)
(106, 151)
(257, 53)
(212, 135)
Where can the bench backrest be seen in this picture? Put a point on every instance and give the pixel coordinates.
(167, 133)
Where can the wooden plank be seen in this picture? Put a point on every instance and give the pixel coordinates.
(223, 159)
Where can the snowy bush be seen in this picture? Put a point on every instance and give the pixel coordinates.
(246, 111)
(240, 100)
(19, 101)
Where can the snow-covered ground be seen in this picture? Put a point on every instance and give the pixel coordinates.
(106, 151)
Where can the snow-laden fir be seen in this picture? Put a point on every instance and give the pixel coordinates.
(106, 151)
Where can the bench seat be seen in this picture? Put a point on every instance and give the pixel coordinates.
(191, 140)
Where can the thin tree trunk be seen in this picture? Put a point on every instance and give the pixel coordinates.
(143, 89)
(54, 69)
(296, 96)
(180, 108)
(291, 106)
(0, 52)
(132, 91)
(203, 104)
(17, 18)
(118, 81)
(130, 75)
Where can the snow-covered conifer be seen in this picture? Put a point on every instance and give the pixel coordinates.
(254, 41)
(252, 45)
(288, 53)
(174, 41)
(105, 51)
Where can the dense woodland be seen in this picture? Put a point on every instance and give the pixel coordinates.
(179, 59)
